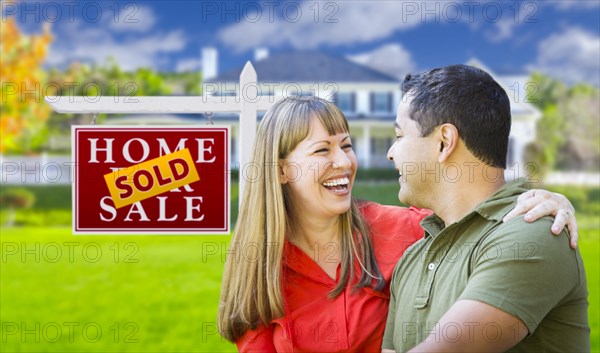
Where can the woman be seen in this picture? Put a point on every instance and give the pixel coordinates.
(309, 266)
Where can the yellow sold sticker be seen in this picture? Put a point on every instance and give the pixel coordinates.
(150, 178)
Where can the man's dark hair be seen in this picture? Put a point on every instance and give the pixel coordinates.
(468, 98)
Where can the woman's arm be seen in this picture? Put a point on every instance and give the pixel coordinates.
(255, 341)
(538, 203)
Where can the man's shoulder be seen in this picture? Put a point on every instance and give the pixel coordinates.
(518, 230)
(518, 244)
(518, 260)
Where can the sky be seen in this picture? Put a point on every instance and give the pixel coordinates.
(559, 38)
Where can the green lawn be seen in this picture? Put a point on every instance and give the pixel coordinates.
(65, 293)
(145, 293)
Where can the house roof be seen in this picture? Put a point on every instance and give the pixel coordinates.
(308, 66)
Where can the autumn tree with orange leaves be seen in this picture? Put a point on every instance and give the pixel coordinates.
(23, 112)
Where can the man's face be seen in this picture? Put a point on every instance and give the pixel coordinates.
(414, 157)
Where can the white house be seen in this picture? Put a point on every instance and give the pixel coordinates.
(367, 97)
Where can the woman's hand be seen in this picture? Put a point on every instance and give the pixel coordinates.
(538, 203)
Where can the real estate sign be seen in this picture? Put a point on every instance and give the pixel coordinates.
(150, 179)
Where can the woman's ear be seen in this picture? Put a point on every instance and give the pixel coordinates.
(282, 172)
(448, 135)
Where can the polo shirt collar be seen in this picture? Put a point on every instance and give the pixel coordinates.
(494, 208)
(433, 225)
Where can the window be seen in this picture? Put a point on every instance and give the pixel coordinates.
(380, 146)
(381, 102)
(345, 101)
(510, 159)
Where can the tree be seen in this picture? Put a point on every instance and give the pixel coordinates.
(581, 109)
(550, 127)
(22, 115)
(568, 134)
(102, 80)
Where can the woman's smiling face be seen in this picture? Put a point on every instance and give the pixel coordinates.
(319, 173)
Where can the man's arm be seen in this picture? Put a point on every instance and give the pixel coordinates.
(501, 304)
(388, 335)
(472, 326)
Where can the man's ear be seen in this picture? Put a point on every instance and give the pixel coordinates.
(448, 140)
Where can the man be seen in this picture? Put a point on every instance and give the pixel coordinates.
(474, 283)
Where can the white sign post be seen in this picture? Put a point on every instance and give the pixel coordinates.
(247, 103)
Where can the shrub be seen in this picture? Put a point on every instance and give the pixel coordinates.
(18, 198)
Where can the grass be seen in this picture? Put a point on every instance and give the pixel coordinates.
(162, 292)
(590, 251)
(65, 293)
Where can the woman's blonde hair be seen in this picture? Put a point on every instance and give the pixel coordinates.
(251, 293)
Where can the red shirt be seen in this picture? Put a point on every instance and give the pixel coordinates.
(350, 322)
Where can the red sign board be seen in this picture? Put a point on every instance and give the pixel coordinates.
(164, 180)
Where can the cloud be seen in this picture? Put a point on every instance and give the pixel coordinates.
(569, 5)
(392, 59)
(188, 64)
(314, 24)
(334, 23)
(502, 30)
(78, 42)
(572, 55)
(132, 17)
(509, 19)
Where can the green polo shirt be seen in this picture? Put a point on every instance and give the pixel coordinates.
(518, 267)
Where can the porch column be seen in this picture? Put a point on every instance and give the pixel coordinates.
(365, 150)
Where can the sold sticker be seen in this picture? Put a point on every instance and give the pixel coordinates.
(151, 178)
